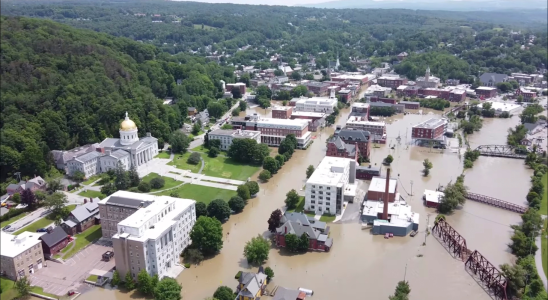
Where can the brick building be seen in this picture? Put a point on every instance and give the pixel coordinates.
(362, 109)
(410, 104)
(237, 85)
(336, 147)
(318, 88)
(377, 129)
(282, 112)
(429, 129)
(377, 189)
(367, 173)
(299, 224)
(360, 138)
(82, 218)
(391, 81)
(53, 241)
(118, 206)
(486, 92)
(526, 94)
(384, 100)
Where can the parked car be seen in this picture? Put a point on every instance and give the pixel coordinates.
(108, 255)
(6, 228)
(71, 292)
(42, 230)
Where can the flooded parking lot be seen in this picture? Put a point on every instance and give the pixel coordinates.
(360, 263)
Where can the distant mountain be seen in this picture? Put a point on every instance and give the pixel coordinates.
(454, 5)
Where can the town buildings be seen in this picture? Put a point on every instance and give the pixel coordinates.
(153, 237)
(317, 104)
(377, 129)
(360, 109)
(452, 82)
(251, 286)
(34, 184)
(226, 136)
(432, 198)
(357, 137)
(82, 217)
(491, 79)
(238, 85)
(282, 112)
(402, 56)
(299, 224)
(527, 95)
(273, 131)
(428, 81)
(330, 184)
(336, 147)
(288, 294)
(53, 241)
(392, 81)
(377, 187)
(401, 220)
(367, 172)
(376, 90)
(117, 207)
(317, 88)
(410, 104)
(486, 92)
(129, 150)
(430, 129)
(501, 107)
(20, 255)
(315, 119)
(62, 157)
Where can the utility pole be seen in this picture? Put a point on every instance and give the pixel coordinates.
(411, 187)
(405, 273)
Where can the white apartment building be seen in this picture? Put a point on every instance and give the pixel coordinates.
(227, 136)
(376, 128)
(274, 131)
(326, 188)
(317, 104)
(88, 164)
(154, 236)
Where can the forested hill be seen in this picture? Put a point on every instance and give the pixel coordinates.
(62, 87)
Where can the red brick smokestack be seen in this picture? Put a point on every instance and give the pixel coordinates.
(386, 190)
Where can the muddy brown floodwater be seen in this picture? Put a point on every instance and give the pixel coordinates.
(360, 263)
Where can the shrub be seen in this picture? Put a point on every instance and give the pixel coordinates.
(157, 183)
(144, 187)
(265, 175)
(187, 265)
(236, 203)
(194, 158)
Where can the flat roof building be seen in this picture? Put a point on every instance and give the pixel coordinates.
(429, 129)
(401, 219)
(317, 104)
(226, 136)
(432, 198)
(20, 255)
(118, 206)
(377, 189)
(273, 131)
(153, 237)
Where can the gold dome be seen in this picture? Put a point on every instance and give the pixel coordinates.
(127, 124)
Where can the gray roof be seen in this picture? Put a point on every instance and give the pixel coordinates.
(126, 202)
(494, 77)
(85, 211)
(349, 134)
(286, 294)
(69, 223)
(369, 169)
(16, 185)
(191, 108)
(380, 104)
(252, 283)
(54, 237)
(88, 156)
(350, 148)
(115, 143)
(3, 211)
(119, 154)
(329, 242)
(298, 229)
(528, 126)
(339, 143)
(62, 156)
(409, 102)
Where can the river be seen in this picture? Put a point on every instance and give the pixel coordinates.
(360, 264)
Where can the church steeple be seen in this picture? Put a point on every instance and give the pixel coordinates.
(427, 75)
(338, 63)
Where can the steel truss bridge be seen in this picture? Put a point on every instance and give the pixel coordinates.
(500, 151)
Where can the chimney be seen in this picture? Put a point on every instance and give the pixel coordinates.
(386, 190)
(90, 200)
(285, 229)
(85, 200)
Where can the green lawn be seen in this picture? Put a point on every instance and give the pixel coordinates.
(544, 203)
(300, 208)
(163, 154)
(192, 136)
(91, 179)
(92, 278)
(179, 161)
(225, 167)
(39, 290)
(544, 247)
(327, 218)
(41, 223)
(92, 194)
(83, 239)
(206, 27)
(169, 182)
(8, 290)
(7, 222)
(200, 193)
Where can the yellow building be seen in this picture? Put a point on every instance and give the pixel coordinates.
(251, 285)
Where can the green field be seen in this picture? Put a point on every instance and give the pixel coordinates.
(227, 168)
(8, 290)
(163, 154)
(200, 193)
(92, 194)
(544, 203)
(41, 223)
(92, 278)
(91, 179)
(82, 239)
(7, 222)
(544, 247)
(39, 290)
(199, 26)
(179, 161)
(327, 218)
(169, 182)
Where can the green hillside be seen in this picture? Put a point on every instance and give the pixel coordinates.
(62, 87)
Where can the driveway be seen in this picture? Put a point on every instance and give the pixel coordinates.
(59, 278)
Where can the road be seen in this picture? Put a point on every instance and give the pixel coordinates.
(199, 140)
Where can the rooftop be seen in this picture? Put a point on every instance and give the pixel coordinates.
(128, 199)
(330, 171)
(378, 184)
(360, 105)
(357, 120)
(285, 108)
(432, 196)
(236, 133)
(486, 88)
(13, 245)
(308, 114)
(399, 211)
(501, 106)
(431, 123)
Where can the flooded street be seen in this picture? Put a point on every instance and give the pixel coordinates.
(360, 263)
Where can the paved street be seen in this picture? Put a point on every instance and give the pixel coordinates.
(26, 220)
(199, 140)
(59, 278)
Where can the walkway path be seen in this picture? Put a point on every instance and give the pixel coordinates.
(538, 259)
